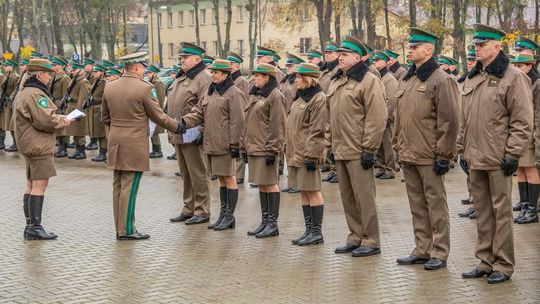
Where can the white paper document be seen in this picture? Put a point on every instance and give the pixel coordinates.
(151, 128)
(75, 114)
(191, 135)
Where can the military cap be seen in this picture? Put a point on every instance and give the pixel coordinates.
(447, 60)
(331, 47)
(39, 65)
(418, 36)
(58, 60)
(314, 53)
(139, 57)
(293, 59)
(36, 54)
(484, 33)
(75, 65)
(391, 53)
(352, 45)
(113, 71)
(233, 57)
(121, 65)
(263, 51)
(368, 48)
(11, 63)
(276, 57)
(471, 54)
(187, 49)
(525, 43)
(107, 63)
(88, 61)
(524, 58)
(99, 68)
(380, 55)
(221, 65)
(208, 59)
(266, 69)
(24, 61)
(308, 69)
(152, 68)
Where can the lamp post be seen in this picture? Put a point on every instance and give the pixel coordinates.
(159, 25)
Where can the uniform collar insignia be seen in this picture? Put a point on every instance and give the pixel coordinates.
(424, 71)
(497, 68)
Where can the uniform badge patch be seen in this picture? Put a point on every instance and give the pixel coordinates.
(153, 93)
(43, 102)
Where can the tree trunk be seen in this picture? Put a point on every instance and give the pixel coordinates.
(219, 49)
(370, 24)
(536, 21)
(252, 31)
(478, 11)
(412, 13)
(197, 24)
(387, 24)
(324, 17)
(227, 44)
(124, 23)
(353, 12)
(337, 28)
(360, 19)
(57, 30)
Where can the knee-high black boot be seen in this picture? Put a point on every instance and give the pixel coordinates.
(223, 202)
(271, 228)
(263, 197)
(35, 230)
(229, 221)
(315, 235)
(306, 210)
(26, 198)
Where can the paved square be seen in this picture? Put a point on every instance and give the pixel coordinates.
(191, 264)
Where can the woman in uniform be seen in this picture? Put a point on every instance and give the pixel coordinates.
(264, 140)
(35, 126)
(306, 124)
(222, 113)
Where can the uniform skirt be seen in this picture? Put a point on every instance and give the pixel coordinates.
(221, 165)
(39, 168)
(301, 179)
(260, 173)
(528, 159)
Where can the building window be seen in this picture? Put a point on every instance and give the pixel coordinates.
(169, 20)
(203, 16)
(241, 47)
(305, 45)
(192, 17)
(204, 45)
(239, 14)
(305, 13)
(181, 19)
(171, 50)
(159, 20)
(216, 49)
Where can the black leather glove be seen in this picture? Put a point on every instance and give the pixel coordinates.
(181, 129)
(235, 153)
(310, 165)
(199, 140)
(463, 164)
(509, 165)
(441, 166)
(245, 157)
(368, 160)
(270, 159)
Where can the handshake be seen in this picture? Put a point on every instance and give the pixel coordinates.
(182, 129)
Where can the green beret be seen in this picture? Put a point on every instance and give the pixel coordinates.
(152, 68)
(484, 33)
(11, 63)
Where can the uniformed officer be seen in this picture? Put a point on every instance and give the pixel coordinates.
(153, 77)
(357, 121)
(497, 118)
(368, 60)
(315, 57)
(393, 65)
(449, 65)
(269, 56)
(22, 79)
(385, 155)
(36, 122)
(207, 59)
(9, 87)
(241, 83)
(187, 90)
(58, 89)
(526, 45)
(127, 114)
(88, 68)
(96, 128)
(78, 90)
(425, 138)
(221, 112)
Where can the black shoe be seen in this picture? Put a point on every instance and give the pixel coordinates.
(473, 215)
(156, 154)
(252, 185)
(364, 251)
(62, 150)
(434, 264)
(26, 199)
(35, 231)
(93, 145)
(293, 190)
(102, 156)
(263, 198)
(286, 189)
(306, 210)
(315, 232)
(467, 213)
(71, 145)
(82, 153)
(386, 176)
(222, 207)
(497, 277)
(239, 181)
(329, 176)
(347, 248)
(334, 180)
(197, 220)
(172, 156)
(411, 260)
(12, 148)
(133, 237)
(229, 221)
(271, 228)
(517, 206)
(531, 212)
(475, 273)
(180, 218)
(76, 153)
(524, 208)
(379, 174)
(2, 142)
(466, 201)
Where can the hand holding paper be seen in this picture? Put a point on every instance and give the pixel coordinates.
(76, 115)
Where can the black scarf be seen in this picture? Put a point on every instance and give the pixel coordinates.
(496, 68)
(308, 93)
(357, 72)
(330, 66)
(266, 89)
(394, 67)
(533, 75)
(383, 71)
(236, 75)
(193, 72)
(424, 71)
(289, 78)
(222, 87)
(33, 82)
(462, 78)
